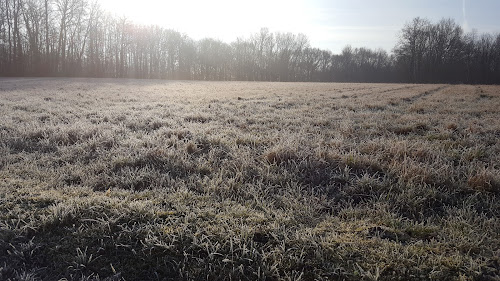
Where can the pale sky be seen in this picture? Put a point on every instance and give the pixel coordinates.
(329, 24)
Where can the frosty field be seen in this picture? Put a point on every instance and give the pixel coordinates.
(108, 179)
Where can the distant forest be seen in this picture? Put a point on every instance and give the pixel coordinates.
(77, 38)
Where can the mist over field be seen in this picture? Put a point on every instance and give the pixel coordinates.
(123, 179)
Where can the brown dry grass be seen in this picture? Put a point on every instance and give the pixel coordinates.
(162, 180)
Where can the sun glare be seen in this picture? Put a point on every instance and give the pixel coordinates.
(222, 19)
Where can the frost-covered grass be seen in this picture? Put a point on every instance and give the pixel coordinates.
(160, 180)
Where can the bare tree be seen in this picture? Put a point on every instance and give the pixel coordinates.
(75, 37)
(412, 45)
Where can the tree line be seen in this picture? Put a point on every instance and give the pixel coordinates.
(78, 38)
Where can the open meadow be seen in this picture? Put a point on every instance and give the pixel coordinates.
(108, 179)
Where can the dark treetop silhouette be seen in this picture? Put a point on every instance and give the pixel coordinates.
(74, 38)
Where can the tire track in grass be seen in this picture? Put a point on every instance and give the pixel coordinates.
(411, 100)
(400, 102)
(400, 88)
(389, 90)
(353, 92)
(382, 99)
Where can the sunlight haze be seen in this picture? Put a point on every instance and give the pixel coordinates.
(328, 24)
